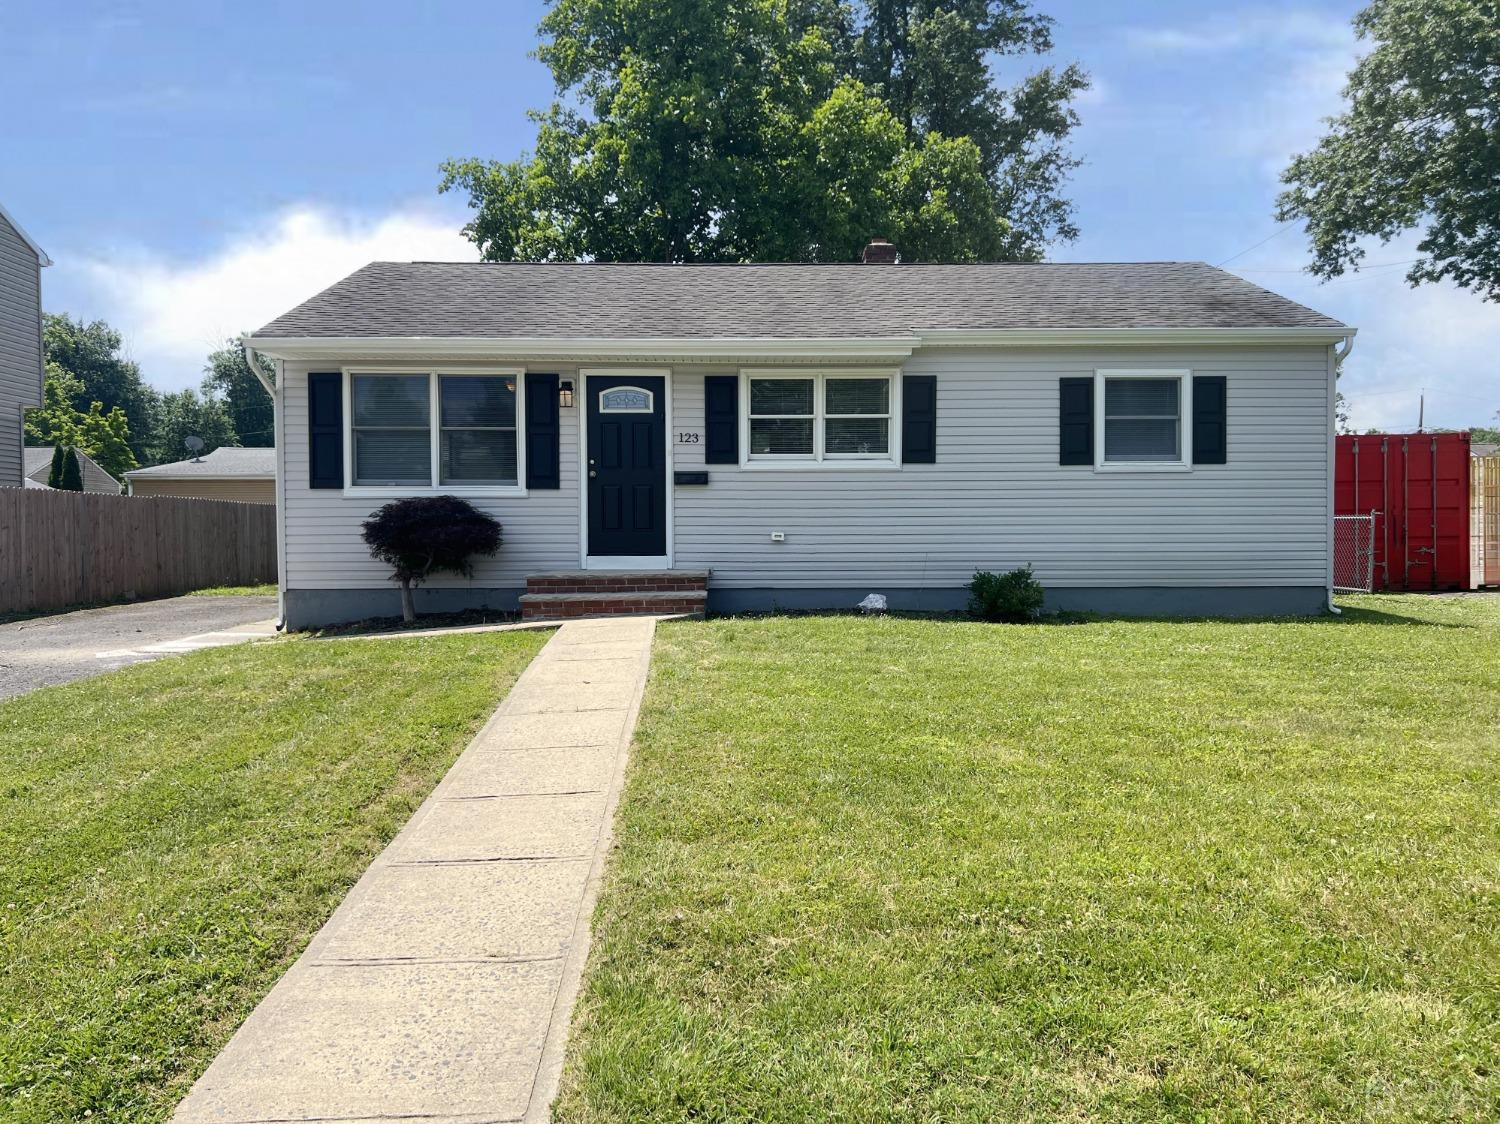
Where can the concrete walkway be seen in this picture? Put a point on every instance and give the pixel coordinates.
(441, 988)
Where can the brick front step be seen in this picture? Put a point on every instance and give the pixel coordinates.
(619, 581)
(616, 603)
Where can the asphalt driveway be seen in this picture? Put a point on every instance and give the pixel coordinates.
(55, 649)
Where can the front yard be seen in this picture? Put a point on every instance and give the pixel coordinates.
(173, 833)
(891, 870)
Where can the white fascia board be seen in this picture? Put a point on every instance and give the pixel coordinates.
(888, 348)
(175, 477)
(41, 254)
(581, 349)
(1125, 337)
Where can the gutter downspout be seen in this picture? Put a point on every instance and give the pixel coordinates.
(1338, 355)
(278, 426)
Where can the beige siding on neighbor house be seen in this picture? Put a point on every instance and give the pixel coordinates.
(238, 491)
(20, 345)
(996, 497)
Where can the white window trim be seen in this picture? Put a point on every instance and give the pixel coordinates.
(821, 461)
(1184, 377)
(435, 423)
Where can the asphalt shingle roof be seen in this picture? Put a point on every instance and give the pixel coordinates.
(561, 300)
(249, 463)
(38, 461)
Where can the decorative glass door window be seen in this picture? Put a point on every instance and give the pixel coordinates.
(626, 400)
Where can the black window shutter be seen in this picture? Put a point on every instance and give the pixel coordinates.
(721, 419)
(325, 430)
(1210, 420)
(1075, 431)
(919, 419)
(542, 432)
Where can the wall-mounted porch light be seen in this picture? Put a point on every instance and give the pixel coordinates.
(565, 394)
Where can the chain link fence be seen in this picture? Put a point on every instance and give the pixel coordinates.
(1354, 552)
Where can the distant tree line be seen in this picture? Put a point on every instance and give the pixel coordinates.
(95, 399)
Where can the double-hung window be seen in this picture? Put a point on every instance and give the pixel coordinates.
(434, 430)
(1141, 418)
(819, 417)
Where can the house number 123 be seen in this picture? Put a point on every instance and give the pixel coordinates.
(687, 439)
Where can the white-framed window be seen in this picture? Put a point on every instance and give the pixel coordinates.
(456, 430)
(1141, 419)
(817, 417)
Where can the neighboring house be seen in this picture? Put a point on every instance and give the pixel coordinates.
(241, 475)
(95, 479)
(21, 264)
(1152, 437)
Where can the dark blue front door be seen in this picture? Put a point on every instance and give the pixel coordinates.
(627, 465)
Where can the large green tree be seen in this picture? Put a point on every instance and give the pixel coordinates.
(1417, 147)
(186, 413)
(90, 353)
(755, 130)
(228, 378)
(105, 436)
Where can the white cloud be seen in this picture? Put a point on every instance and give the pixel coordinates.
(173, 313)
(1252, 29)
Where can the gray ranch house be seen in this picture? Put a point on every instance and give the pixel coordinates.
(1152, 437)
(21, 265)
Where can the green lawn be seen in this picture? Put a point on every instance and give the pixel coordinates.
(172, 834)
(893, 870)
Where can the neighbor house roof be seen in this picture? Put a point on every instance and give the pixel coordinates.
(38, 460)
(513, 300)
(221, 464)
(41, 254)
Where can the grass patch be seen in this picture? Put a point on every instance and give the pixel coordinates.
(174, 833)
(266, 590)
(893, 870)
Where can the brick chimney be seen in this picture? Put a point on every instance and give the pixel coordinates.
(880, 252)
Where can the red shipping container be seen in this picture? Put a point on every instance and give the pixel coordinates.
(1418, 483)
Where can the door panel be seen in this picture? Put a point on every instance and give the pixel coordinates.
(626, 453)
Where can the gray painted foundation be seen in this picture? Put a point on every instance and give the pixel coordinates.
(1135, 601)
(310, 608)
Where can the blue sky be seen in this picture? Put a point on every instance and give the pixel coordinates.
(195, 169)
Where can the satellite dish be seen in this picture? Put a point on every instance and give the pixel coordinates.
(194, 444)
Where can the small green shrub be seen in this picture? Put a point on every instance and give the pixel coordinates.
(1014, 596)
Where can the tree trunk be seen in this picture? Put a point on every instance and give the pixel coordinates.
(408, 608)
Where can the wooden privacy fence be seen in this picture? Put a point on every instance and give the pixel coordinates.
(72, 548)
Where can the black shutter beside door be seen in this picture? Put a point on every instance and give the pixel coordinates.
(542, 432)
(325, 430)
(1075, 430)
(721, 419)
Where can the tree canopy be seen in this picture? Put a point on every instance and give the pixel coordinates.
(103, 436)
(228, 378)
(1418, 146)
(758, 130)
(90, 354)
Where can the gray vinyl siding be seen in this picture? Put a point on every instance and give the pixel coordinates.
(20, 346)
(323, 545)
(996, 497)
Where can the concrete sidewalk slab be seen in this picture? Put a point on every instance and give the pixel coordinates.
(442, 987)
